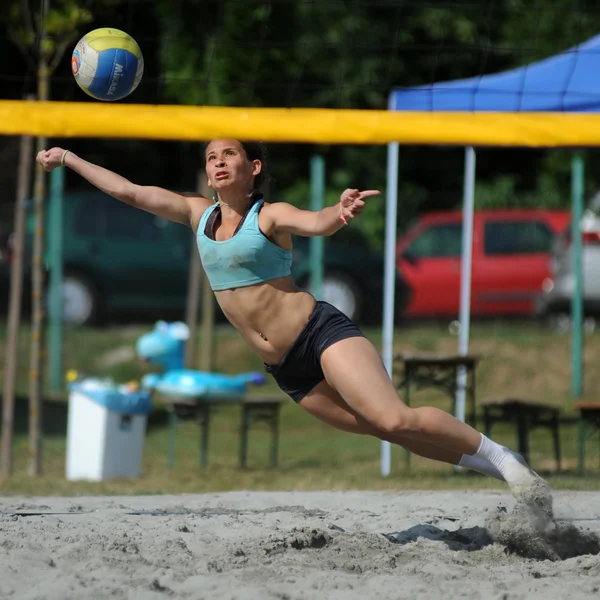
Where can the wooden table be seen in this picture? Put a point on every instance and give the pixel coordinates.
(440, 372)
(264, 408)
(527, 415)
(589, 425)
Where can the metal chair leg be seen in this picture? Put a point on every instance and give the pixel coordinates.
(581, 440)
(556, 438)
(172, 437)
(245, 426)
(204, 414)
(275, 436)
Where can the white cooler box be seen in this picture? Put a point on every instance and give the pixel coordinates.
(105, 432)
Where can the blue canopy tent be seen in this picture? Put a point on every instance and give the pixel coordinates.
(567, 82)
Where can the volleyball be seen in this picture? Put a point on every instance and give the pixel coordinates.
(107, 64)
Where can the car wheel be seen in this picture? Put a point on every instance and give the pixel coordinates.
(341, 291)
(80, 301)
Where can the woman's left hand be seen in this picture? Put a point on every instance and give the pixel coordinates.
(353, 201)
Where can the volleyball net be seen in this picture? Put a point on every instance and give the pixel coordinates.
(318, 126)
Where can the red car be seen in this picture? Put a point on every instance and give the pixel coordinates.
(511, 258)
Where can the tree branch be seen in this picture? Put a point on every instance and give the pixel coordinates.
(23, 50)
(28, 18)
(61, 47)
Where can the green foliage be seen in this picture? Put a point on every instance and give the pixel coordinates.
(61, 26)
(503, 193)
(535, 29)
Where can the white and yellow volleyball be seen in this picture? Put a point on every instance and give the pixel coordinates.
(107, 64)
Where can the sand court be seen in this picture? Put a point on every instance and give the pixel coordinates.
(260, 545)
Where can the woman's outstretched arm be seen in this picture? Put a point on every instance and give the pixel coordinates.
(182, 208)
(288, 218)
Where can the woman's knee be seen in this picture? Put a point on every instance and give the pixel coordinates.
(405, 421)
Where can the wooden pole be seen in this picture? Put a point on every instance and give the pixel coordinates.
(14, 310)
(193, 293)
(207, 356)
(37, 276)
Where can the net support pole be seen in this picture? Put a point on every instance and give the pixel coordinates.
(316, 243)
(465, 277)
(389, 279)
(577, 297)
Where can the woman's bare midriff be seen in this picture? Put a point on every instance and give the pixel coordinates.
(269, 315)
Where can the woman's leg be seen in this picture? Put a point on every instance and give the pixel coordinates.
(324, 403)
(354, 368)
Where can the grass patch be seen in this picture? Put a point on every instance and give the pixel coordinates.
(518, 358)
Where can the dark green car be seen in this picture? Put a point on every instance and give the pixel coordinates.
(119, 260)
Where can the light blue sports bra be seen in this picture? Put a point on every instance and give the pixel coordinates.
(248, 258)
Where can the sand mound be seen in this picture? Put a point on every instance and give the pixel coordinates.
(531, 535)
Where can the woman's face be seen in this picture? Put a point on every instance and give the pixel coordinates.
(228, 167)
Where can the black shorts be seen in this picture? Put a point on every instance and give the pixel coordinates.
(300, 369)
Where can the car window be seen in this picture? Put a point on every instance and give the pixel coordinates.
(517, 237)
(126, 222)
(438, 241)
(178, 232)
(90, 218)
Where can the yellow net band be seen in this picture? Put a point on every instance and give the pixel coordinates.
(303, 125)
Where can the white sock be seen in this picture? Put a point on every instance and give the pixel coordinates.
(508, 463)
(480, 465)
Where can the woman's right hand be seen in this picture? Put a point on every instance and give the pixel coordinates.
(50, 159)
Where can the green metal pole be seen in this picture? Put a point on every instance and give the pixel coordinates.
(315, 244)
(55, 260)
(577, 298)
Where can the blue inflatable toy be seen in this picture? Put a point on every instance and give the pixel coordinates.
(165, 346)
